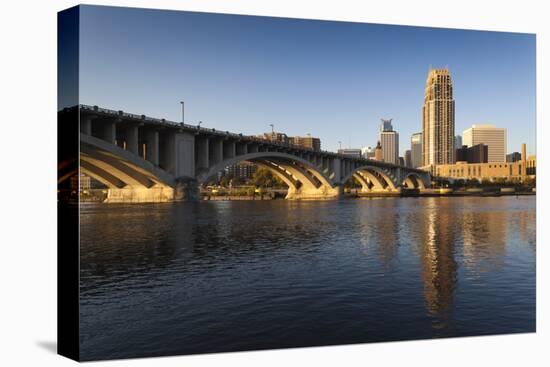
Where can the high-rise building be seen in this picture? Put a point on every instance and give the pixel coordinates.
(306, 142)
(401, 161)
(385, 125)
(458, 143)
(438, 119)
(490, 135)
(389, 141)
(416, 150)
(408, 161)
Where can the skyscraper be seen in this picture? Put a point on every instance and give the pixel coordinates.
(389, 141)
(490, 135)
(458, 142)
(438, 119)
(416, 150)
(385, 125)
(408, 162)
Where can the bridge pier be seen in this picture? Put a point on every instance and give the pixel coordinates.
(201, 154)
(151, 153)
(136, 194)
(132, 136)
(322, 193)
(108, 131)
(186, 190)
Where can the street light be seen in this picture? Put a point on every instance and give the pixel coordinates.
(340, 145)
(182, 112)
(199, 126)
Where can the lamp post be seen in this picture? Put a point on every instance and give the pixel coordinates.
(199, 126)
(182, 112)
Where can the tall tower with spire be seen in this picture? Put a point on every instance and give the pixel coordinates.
(438, 119)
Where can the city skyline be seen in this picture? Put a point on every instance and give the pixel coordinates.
(333, 80)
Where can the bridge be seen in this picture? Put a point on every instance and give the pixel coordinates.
(145, 159)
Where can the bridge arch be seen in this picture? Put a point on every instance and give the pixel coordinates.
(128, 177)
(373, 178)
(304, 180)
(415, 181)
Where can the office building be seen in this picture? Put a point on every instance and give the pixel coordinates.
(493, 137)
(389, 140)
(385, 125)
(474, 154)
(458, 143)
(438, 119)
(525, 167)
(408, 162)
(275, 137)
(416, 150)
(378, 152)
(306, 142)
(351, 152)
(368, 152)
(243, 170)
(513, 157)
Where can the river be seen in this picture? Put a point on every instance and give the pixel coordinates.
(179, 278)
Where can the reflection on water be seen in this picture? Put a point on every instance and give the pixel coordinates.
(223, 276)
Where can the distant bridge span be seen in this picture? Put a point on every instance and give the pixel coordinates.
(143, 159)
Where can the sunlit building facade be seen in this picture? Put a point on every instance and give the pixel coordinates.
(490, 135)
(438, 119)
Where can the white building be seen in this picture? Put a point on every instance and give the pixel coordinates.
(368, 152)
(490, 135)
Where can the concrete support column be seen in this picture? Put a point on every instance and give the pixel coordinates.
(216, 151)
(178, 156)
(152, 146)
(109, 131)
(229, 149)
(253, 148)
(201, 151)
(132, 139)
(86, 125)
(337, 169)
(241, 148)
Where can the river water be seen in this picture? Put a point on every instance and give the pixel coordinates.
(178, 278)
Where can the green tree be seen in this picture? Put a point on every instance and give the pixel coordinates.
(264, 178)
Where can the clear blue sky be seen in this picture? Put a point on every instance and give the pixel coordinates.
(334, 80)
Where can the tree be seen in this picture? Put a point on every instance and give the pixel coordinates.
(224, 181)
(264, 178)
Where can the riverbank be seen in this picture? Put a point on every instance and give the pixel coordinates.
(444, 192)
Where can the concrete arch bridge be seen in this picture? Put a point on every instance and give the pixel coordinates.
(144, 159)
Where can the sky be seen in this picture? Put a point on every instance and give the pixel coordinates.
(333, 80)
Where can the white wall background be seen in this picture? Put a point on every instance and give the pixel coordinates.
(28, 182)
